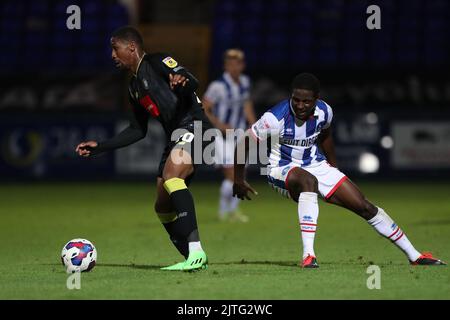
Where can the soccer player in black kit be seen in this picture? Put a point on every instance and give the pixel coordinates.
(162, 89)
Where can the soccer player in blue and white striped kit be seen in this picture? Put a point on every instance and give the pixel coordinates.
(227, 104)
(302, 166)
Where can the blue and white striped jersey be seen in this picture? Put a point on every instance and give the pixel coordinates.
(229, 98)
(297, 142)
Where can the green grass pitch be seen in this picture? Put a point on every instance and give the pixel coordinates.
(257, 260)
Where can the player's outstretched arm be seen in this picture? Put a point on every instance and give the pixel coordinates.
(134, 132)
(327, 145)
(241, 188)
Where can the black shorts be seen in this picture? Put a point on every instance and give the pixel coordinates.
(187, 140)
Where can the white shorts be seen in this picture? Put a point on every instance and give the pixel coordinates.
(224, 152)
(328, 177)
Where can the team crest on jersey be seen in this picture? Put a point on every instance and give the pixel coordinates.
(170, 62)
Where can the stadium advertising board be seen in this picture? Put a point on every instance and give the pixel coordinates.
(143, 156)
(421, 145)
(33, 149)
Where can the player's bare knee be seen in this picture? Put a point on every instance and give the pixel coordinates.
(367, 210)
(300, 182)
(309, 183)
(294, 185)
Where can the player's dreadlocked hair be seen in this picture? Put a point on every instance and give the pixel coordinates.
(307, 81)
(129, 33)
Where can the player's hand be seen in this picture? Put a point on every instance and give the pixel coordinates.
(176, 80)
(84, 149)
(241, 189)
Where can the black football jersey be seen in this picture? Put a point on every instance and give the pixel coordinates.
(149, 89)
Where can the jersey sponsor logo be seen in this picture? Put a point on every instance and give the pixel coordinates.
(170, 62)
(306, 143)
(149, 105)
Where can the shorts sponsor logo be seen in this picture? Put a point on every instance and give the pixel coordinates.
(285, 170)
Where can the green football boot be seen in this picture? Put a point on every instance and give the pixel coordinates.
(176, 267)
(197, 260)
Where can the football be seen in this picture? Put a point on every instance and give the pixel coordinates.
(78, 255)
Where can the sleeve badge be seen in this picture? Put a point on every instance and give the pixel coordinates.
(170, 62)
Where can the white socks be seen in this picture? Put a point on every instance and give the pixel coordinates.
(195, 246)
(385, 226)
(308, 212)
(227, 203)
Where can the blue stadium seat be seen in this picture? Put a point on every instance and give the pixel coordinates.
(276, 40)
(90, 39)
(254, 8)
(39, 8)
(62, 57)
(10, 25)
(273, 56)
(12, 9)
(226, 7)
(94, 8)
(62, 40)
(85, 60)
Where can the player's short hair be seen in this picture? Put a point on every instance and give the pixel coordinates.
(129, 33)
(234, 54)
(306, 81)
